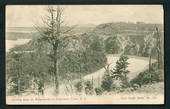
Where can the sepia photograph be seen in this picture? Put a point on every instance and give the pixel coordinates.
(84, 54)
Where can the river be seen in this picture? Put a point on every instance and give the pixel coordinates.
(12, 43)
(136, 66)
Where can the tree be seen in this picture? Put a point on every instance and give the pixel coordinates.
(149, 45)
(26, 65)
(52, 33)
(112, 45)
(153, 47)
(13, 73)
(39, 65)
(132, 48)
(158, 47)
(17, 77)
(94, 55)
(124, 42)
(107, 81)
(120, 72)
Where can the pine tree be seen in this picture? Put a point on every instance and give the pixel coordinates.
(120, 72)
(107, 82)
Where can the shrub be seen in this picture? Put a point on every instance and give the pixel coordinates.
(79, 86)
(125, 83)
(142, 78)
(148, 77)
(134, 87)
(107, 82)
(98, 91)
(158, 76)
(13, 88)
(88, 87)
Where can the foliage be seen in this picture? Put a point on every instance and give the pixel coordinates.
(132, 48)
(137, 33)
(23, 66)
(112, 45)
(98, 90)
(13, 88)
(146, 77)
(107, 82)
(78, 55)
(86, 59)
(15, 73)
(149, 43)
(79, 86)
(37, 60)
(116, 44)
(159, 48)
(120, 72)
(88, 87)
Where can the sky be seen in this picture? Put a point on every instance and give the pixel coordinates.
(29, 15)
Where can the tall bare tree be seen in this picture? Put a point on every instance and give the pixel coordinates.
(149, 44)
(158, 47)
(52, 33)
(124, 42)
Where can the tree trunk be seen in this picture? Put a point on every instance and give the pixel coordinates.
(158, 48)
(150, 63)
(158, 60)
(150, 67)
(56, 82)
(18, 77)
(55, 75)
(18, 86)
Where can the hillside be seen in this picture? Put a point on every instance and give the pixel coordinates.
(135, 31)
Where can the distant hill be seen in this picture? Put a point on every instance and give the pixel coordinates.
(20, 35)
(21, 29)
(136, 31)
(80, 29)
(126, 29)
(14, 33)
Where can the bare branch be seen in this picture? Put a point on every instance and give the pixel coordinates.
(45, 21)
